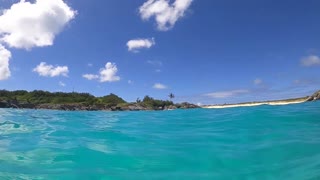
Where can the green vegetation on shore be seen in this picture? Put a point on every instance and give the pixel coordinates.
(81, 101)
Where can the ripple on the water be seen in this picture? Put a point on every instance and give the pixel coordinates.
(9, 127)
(246, 143)
(100, 147)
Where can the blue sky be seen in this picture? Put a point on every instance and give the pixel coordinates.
(203, 51)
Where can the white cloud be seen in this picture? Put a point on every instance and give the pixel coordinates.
(159, 86)
(165, 14)
(27, 25)
(62, 84)
(257, 81)
(310, 61)
(90, 76)
(90, 64)
(135, 45)
(226, 94)
(51, 71)
(155, 63)
(5, 56)
(106, 74)
(130, 82)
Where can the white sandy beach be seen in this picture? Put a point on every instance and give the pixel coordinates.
(273, 103)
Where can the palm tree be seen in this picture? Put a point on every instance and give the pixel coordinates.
(138, 100)
(171, 96)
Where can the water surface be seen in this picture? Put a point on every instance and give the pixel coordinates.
(263, 142)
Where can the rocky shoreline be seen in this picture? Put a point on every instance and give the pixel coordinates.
(314, 97)
(81, 107)
(121, 107)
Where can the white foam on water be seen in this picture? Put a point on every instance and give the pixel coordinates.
(12, 128)
(99, 147)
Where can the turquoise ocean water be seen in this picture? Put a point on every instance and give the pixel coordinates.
(263, 142)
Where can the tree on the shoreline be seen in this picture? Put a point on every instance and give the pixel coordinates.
(138, 100)
(171, 96)
(38, 97)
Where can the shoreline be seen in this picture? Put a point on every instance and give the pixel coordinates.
(75, 101)
(38, 99)
(248, 104)
(81, 107)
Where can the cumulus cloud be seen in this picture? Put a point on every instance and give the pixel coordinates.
(310, 61)
(159, 86)
(47, 70)
(226, 94)
(27, 25)
(90, 76)
(257, 81)
(135, 45)
(165, 14)
(5, 56)
(106, 74)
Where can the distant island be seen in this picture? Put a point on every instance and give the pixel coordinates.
(314, 97)
(83, 102)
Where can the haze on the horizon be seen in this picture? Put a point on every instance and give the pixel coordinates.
(207, 52)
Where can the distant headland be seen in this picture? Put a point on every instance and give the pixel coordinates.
(314, 97)
(83, 102)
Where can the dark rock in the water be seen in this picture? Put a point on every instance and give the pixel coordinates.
(186, 105)
(133, 107)
(27, 106)
(116, 108)
(136, 108)
(4, 104)
(9, 104)
(98, 107)
(314, 97)
(171, 107)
